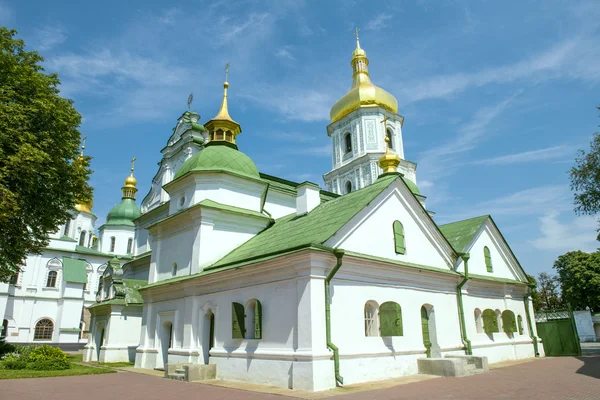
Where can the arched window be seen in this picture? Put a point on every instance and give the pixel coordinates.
(488, 259)
(67, 227)
(229, 136)
(112, 244)
(399, 244)
(220, 134)
(509, 324)
(390, 137)
(51, 281)
(82, 238)
(90, 238)
(371, 319)
(129, 245)
(348, 187)
(238, 329)
(490, 322)
(174, 271)
(520, 324)
(347, 143)
(253, 320)
(43, 330)
(390, 319)
(478, 321)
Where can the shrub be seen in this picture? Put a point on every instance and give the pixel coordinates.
(25, 351)
(45, 353)
(6, 347)
(50, 364)
(13, 364)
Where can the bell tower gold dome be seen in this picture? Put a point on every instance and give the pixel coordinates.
(362, 93)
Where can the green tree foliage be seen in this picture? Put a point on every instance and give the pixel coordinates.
(547, 291)
(535, 295)
(579, 277)
(41, 176)
(585, 179)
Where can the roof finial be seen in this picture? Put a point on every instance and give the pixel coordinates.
(83, 144)
(129, 188)
(132, 164)
(389, 161)
(190, 100)
(226, 71)
(357, 42)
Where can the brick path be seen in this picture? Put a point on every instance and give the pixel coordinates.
(548, 379)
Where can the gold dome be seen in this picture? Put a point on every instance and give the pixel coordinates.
(362, 93)
(85, 207)
(130, 181)
(129, 189)
(389, 161)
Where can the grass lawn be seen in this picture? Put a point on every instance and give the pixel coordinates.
(74, 370)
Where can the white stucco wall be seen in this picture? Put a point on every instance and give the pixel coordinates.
(585, 326)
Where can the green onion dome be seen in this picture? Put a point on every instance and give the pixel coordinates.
(221, 158)
(123, 213)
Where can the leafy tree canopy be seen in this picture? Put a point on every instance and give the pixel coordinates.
(546, 295)
(585, 179)
(579, 277)
(41, 175)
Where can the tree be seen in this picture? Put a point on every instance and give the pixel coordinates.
(585, 179)
(41, 175)
(548, 294)
(579, 277)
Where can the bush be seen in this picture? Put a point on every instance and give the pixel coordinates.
(6, 347)
(47, 353)
(25, 351)
(49, 365)
(13, 364)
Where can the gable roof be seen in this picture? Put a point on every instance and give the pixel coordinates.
(460, 234)
(316, 227)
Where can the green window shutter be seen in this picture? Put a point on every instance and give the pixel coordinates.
(237, 321)
(257, 320)
(488, 259)
(520, 322)
(490, 322)
(399, 238)
(508, 321)
(390, 319)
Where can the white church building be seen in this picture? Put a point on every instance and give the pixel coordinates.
(283, 283)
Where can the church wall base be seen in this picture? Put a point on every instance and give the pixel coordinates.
(505, 351)
(366, 369)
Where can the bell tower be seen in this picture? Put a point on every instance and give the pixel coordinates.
(361, 123)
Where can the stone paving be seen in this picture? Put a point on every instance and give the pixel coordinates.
(547, 378)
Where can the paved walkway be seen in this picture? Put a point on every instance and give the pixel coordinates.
(548, 379)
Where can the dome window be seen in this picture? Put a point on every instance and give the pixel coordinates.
(347, 143)
(348, 187)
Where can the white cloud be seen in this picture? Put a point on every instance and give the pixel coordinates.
(577, 234)
(378, 22)
(169, 16)
(548, 153)
(48, 37)
(285, 53)
(536, 200)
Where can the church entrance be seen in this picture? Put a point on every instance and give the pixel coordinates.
(166, 341)
(99, 343)
(208, 335)
(429, 331)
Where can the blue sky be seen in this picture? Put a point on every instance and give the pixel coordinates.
(497, 96)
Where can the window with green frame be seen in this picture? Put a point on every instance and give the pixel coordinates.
(490, 322)
(509, 323)
(390, 319)
(399, 238)
(238, 329)
(520, 324)
(254, 319)
(488, 259)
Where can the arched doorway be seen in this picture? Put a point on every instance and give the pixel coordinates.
(99, 343)
(166, 341)
(208, 336)
(428, 330)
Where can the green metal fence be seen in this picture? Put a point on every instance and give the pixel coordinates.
(558, 332)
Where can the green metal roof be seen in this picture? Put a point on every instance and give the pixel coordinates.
(213, 204)
(315, 227)
(459, 234)
(74, 270)
(411, 185)
(220, 158)
(123, 213)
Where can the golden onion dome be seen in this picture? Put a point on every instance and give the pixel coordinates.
(129, 188)
(362, 93)
(130, 181)
(389, 161)
(85, 206)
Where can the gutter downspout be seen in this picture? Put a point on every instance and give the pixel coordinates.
(528, 315)
(461, 310)
(339, 254)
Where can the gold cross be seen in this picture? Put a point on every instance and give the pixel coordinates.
(132, 163)
(226, 71)
(356, 33)
(83, 144)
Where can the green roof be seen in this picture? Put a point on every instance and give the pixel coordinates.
(74, 270)
(220, 158)
(87, 250)
(460, 233)
(316, 227)
(238, 210)
(411, 185)
(67, 239)
(123, 213)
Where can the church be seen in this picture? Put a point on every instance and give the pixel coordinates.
(287, 284)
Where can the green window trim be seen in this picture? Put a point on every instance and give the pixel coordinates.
(390, 319)
(520, 324)
(490, 321)
(488, 259)
(257, 320)
(399, 238)
(508, 321)
(237, 321)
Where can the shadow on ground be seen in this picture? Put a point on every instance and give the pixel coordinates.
(591, 366)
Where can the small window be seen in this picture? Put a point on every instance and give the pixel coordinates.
(509, 323)
(238, 329)
(129, 245)
(390, 137)
(488, 259)
(220, 134)
(43, 330)
(67, 227)
(348, 143)
(51, 281)
(112, 244)
(14, 279)
(90, 239)
(181, 201)
(100, 284)
(390, 319)
(82, 238)
(478, 321)
(520, 324)
(174, 271)
(4, 331)
(229, 136)
(253, 320)
(371, 319)
(348, 187)
(490, 322)
(399, 238)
